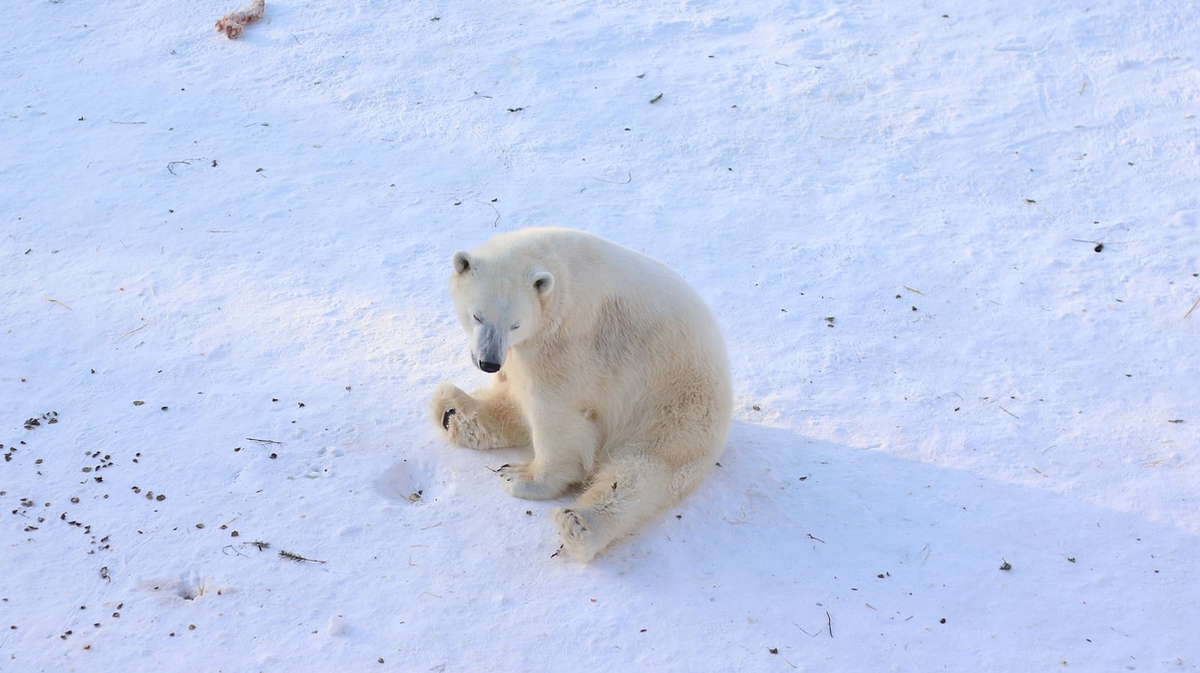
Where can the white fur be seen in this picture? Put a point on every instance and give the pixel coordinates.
(612, 370)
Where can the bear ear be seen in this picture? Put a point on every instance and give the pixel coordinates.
(462, 262)
(543, 282)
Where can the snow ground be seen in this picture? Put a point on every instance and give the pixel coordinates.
(953, 247)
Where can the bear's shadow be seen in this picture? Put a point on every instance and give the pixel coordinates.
(807, 523)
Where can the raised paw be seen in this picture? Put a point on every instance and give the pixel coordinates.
(522, 481)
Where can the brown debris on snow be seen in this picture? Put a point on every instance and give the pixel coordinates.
(233, 23)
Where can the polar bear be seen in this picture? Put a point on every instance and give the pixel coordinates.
(604, 362)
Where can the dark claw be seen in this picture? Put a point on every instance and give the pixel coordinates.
(505, 466)
(446, 418)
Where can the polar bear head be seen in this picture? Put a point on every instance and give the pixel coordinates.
(499, 303)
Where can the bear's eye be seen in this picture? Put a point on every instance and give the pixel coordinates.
(478, 319)
(515, 327)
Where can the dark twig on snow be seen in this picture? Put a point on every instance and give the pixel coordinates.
(1193, 308)
(628, 179)
(497, 220)
(298, 558)
(186, 162)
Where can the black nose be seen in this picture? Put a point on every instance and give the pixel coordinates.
(489, 367)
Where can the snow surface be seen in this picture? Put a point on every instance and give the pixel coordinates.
(965, 433)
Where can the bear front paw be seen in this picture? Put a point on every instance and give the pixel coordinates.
(579, 537)
(521, 481)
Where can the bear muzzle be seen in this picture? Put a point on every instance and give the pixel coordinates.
(490, 348)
